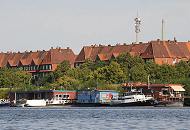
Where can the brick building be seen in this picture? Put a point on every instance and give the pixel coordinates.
(38, 62)
(41, 62)
(161, 52)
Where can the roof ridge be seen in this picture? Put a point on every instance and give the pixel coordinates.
(152, 50)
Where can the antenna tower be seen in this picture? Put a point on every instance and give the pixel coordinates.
(137, 28)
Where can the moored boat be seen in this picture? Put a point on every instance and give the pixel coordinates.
(95, 98)
(165, 95)
(133, 98)
(35, 103)
(42, 98)
(4, 102)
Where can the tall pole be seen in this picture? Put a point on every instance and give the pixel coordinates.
(148, 81)
(137, 28)
(162, 29)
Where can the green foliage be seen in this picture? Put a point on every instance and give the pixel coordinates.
(4, 93)
(167, 73)
(138, 73)
(62, 69)
(111, 73)
(104, 75)
(13, 78)
(99, 75)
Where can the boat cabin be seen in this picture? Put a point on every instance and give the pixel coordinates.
(48, 95)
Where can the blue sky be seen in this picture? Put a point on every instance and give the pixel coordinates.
(42, 24)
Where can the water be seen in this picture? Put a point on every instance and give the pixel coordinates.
(129, 118)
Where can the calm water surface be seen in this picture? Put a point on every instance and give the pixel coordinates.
(129, 118)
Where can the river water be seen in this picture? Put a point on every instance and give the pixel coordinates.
(106, 118)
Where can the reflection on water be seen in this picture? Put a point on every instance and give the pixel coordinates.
(94, 118)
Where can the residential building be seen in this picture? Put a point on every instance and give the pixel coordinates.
(38, 62)
(161, 52)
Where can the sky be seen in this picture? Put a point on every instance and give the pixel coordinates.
(42, 24)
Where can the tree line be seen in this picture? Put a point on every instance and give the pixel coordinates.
(100, 75)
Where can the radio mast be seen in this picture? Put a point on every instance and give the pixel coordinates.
(163, 22)
(137, 28)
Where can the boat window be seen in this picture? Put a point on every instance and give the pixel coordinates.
(65, 96)
(165, 92)
(129, 98)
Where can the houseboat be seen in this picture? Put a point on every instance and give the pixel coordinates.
(169, 95)
(133, 98)
(95, 98)
(42, 98)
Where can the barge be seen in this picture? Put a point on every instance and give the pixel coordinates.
(95, 98)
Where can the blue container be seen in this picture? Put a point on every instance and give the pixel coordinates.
(96, 96)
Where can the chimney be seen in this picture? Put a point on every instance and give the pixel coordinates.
(68, 48)
(51, 47)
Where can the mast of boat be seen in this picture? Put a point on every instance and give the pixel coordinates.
(131, 85)
(15, 98)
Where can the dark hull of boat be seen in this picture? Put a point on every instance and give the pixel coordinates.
(65, 104)
(169, 104)
(147, 103)
(4, 105)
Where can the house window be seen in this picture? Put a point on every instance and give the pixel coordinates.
(27, 68)
(50, 67)
(46, 67)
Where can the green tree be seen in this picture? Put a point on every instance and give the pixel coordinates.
(182, 69)
(166, 73)
(138, 73)
(62, 69)
(111, 73)
(14, 78)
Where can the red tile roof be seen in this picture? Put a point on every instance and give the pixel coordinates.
(56, 56)
(53, 56)
(150, 50)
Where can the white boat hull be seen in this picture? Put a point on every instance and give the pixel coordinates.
(36, 103)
